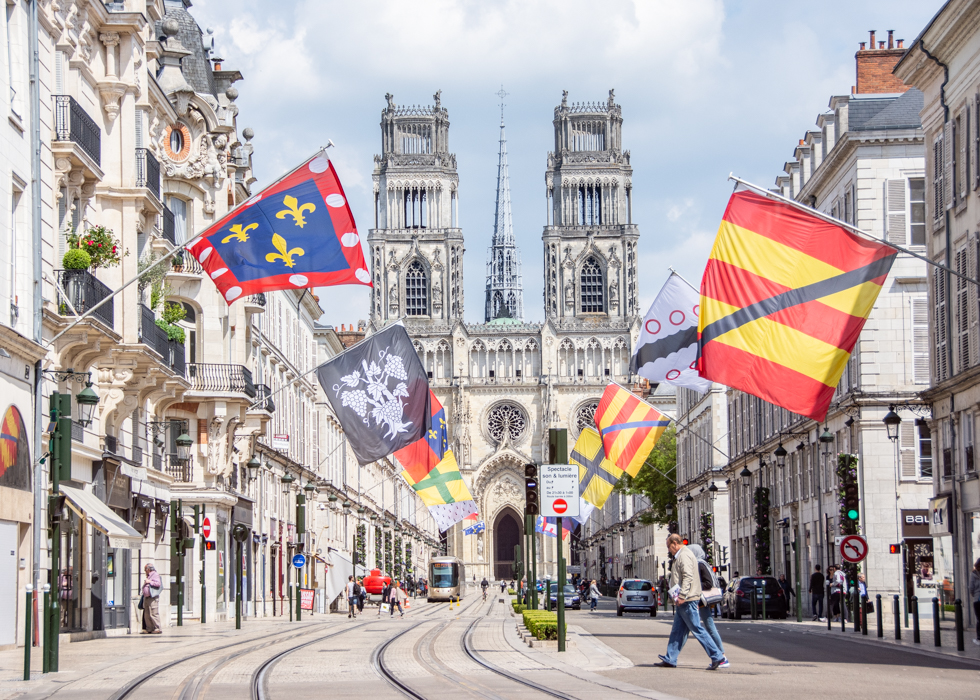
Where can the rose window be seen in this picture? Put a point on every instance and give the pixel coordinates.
(585, 416)
(506, 417)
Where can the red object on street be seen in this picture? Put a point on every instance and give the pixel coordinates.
(559, 505)
(375, 582)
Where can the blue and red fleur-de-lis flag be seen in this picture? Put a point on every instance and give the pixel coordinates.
(296, 233)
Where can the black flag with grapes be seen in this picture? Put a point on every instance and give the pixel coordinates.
(380, 393)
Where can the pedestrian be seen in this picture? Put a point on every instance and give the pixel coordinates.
(593, 596)
(395, 597)
(975, 596)
(353, 593)
(152, 585)
(705, 609)
(685, 589)
(817, 582)
(838, 583)
(503, 587)
(787, 588)
(362, 594)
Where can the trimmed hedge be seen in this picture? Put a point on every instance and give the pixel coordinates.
(518, 607)
(541, 623)
(511, 591)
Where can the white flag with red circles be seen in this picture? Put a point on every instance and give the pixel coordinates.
(667, 350)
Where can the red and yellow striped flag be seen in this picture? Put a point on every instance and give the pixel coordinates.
(629, 428)
(783, 300)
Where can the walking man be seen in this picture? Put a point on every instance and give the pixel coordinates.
(816, 593)
(787, 589)
(353, 593)
(685, 588)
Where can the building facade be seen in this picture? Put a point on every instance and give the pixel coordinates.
(505, 382)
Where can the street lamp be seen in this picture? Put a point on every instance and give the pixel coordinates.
(712, 488)
(310, 489)
(688, 498)
(892, 420)
(780, 455)
(827, 437)
(184, 442)
(287, 481)
(87, 400)
(253, 468)
(745, 471)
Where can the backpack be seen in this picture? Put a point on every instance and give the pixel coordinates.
(357, 588)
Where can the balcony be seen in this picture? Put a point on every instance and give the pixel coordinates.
(255, 303)
(83, 291)
(72, 123)
(169, 227)
(148, 172)
(170, 351)
(182, 470)
(186, 263)
(210, 377)
(263, 400)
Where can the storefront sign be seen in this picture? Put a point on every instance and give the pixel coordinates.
(915, 523)
(280, 442)
(940, 520)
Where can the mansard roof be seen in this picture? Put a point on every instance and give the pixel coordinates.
(901, 112)
(196, 67)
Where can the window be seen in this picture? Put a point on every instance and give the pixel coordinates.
(938, 179)
(962, 313)
(920, 341)
(176, 141)
(592, 287)
(925, 448)
(939, 287)
(966, 428)
(179, 209)
(917, 210)
(416, 290)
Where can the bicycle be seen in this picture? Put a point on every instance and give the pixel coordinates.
(484, 595)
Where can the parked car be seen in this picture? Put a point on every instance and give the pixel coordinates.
(572, 598)
(636, 595)
(737, 600)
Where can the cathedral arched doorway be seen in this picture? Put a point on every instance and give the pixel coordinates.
(507, 533)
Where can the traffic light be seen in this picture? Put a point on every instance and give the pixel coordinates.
(894, 549)
(685, 542)
(531, 489)
(852, 502)
(209, 545)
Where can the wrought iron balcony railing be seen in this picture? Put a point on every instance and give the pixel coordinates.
(148, 171)
(170, 351)
(169, 227)
(84, 291)
(186, 263)
(214, 377)
(72, 123)
(263, 399)
(257, 299)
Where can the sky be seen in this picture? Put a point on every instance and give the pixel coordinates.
(707, 88)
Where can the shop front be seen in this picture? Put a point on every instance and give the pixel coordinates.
(241, 515)
(16, 509)
(918, 560)
(112, 566)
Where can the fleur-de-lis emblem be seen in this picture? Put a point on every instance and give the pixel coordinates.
(284, 253)
(239, 233)
(295, 211)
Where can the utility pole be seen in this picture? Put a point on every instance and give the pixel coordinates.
(558, 454)
(300, 532)
(59, 446)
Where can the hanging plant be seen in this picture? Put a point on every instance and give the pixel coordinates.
(762, 530)
(360, 544)
(378, 554)
(408, 557)
(387, 551)
(100, 244)
(707, 536)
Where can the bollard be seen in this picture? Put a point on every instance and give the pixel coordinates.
(898, 622)
(830, 616)
(764, 596)
(864, 615)
(45, 652)
(935, 623)
(28, 639)
(958, 612)
(843, 613)
(881, 632)
(754, 605)
(915, 620)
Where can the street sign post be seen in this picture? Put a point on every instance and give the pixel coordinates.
(559, 490)
(299, 561)
(853, 548)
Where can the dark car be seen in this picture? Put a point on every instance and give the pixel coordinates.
(572, 598)
(636, 595)
(737, 600)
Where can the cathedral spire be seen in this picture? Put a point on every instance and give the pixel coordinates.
(504, 295)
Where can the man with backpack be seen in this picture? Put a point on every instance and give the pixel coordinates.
(353, 595)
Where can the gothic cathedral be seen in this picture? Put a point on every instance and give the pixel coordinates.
(505, 382)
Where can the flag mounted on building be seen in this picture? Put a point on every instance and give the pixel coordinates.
(550, 528)
(380, 393)
(783, 300)
(475, 529)
(629, 427)
(429, 467)
(296, 233)
(597, 475)
(667, 349)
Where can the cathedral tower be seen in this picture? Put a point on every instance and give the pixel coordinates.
(590, 240)
(504, 295)
(416, 244)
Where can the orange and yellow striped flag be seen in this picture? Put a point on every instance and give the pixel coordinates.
(783, 300)
(629, 427)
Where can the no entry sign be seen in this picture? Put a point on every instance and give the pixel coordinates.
(559, 490)
(853, 548)
(206, 528)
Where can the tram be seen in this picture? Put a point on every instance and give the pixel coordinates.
(446, 579)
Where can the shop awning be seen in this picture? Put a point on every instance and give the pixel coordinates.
(102, 517)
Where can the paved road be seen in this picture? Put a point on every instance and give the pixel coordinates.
(773, 660)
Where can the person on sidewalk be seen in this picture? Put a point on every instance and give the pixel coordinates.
(395, 597)
(838, 585)
(685, 588)
(593, 596)
(361, 596)
(975, 596)
(787, 589)
(817, 582)
(708, 581)
(353, 593)
(152, 585)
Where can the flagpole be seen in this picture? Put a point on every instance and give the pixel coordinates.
(684, 279)
(178, 249)
(844, 224)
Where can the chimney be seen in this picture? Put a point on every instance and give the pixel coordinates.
(900, 43)
(875, 64)
(863, 43)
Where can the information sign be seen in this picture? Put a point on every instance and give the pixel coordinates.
(306, 597)
(299, 561)
(559, 490)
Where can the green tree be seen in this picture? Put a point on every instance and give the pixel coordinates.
(656, 480)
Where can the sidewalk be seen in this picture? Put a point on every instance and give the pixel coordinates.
(927, 647)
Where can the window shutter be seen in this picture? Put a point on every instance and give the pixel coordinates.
(920, 340)
(59, 73)
(971, 266)
(939, 285)
(138, 125)
(963, 185)
(948, 157)
(962, 313)
(897, 218)
(62, 223)
(976, 141)
(907, 449)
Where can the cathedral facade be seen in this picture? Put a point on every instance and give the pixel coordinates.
(505, 382)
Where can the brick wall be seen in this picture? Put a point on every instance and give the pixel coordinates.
(874, 71)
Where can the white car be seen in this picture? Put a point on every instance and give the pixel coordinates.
(636, 595)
